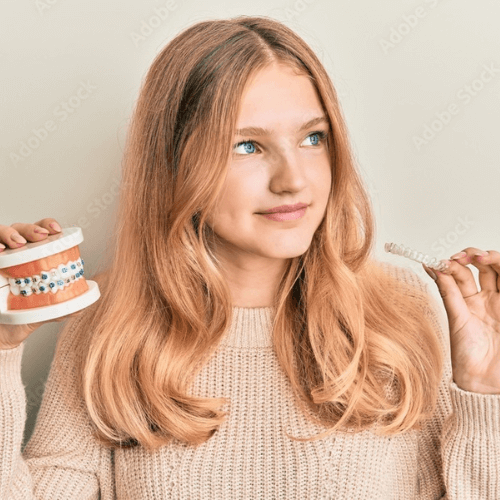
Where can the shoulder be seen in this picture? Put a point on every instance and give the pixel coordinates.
(403, 286)
(403, 277)
(412, 285)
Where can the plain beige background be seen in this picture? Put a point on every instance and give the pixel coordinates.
(419, 83)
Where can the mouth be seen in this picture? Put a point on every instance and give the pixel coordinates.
(285, 209)
(285, 216)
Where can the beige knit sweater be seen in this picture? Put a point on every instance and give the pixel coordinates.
(455, 456)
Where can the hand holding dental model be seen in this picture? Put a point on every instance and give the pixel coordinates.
(473, 315)
(41, 278)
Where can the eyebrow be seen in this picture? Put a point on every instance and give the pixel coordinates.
(258, 131)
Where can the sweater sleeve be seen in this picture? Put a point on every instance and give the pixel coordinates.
(459, 448)
(62, 460)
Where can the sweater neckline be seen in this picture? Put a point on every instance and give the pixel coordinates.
(250, 327)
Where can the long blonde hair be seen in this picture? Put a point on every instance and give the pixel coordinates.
(343, 327)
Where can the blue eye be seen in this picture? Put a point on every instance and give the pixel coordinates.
(252, 143)
(319, 134)
(322, 136)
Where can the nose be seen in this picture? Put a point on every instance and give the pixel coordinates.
(287, 171)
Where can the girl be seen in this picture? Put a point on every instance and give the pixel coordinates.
(246, 344)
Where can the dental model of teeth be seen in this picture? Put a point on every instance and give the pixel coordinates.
(420, 257)
(54, 280)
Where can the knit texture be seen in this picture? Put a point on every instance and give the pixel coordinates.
(456, 455)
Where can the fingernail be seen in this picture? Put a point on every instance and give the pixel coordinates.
(55, 226)
(18, 238)
(2, 247)
(458, 255)
(481, 254)
(41, 230)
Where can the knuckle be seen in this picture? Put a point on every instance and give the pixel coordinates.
(4, 229)
(45, 222)
(18, 228)
(13, 229)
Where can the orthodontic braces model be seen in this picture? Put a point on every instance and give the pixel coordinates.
(420, 257)
(45, 280)
(54, 280)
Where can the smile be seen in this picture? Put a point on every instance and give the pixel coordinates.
(285, 216)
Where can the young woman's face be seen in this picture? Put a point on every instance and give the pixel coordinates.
(287, 164)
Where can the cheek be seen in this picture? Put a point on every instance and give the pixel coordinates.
(323, 179)
(235, 209)
(242, 193)
(328, 182)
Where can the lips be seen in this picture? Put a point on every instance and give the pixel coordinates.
(285, 208)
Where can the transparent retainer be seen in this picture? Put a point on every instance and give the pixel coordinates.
(420, 257)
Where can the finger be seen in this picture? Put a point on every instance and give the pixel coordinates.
(463, 277)
(454, 284)
(2, 228)
(30, 232)
(488, 267)
(10, 237)
(50, 224)
(18, 234)
(489, 270)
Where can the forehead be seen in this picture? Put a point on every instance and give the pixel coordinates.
(278, 95)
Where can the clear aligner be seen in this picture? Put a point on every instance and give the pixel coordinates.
(54, 280)
(409, 253)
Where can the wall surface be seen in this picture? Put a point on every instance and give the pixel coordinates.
(419, 83)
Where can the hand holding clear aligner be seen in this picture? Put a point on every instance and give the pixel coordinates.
(407, 252)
